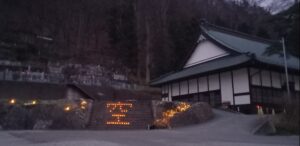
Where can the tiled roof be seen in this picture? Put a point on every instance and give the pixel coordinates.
(241, 44)
(204, 67)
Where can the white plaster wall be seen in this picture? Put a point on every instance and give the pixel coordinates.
(205, 51)
(193, 86)
(175, 89)
(170, 93)
(183, 88)
(167, 88)
(276, 79)
(203, 84)
(226, 87)
(242, 99)
(214, 83)
(266, 79)
(255, 76)
(240, 80)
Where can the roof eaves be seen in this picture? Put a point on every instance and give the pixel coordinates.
(165, 80)
(268, 61)
(162, 76)
(81, 91)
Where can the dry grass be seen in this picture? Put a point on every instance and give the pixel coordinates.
(288, 123)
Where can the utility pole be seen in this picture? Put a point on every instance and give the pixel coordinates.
(286, 71)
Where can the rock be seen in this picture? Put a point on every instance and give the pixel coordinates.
(18, 118)
(161, 106)
(42, 124)
(265, 128)
(198, 113)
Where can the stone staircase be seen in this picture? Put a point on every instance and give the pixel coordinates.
(134, 114)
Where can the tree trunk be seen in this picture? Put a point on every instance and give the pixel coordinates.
(140, 37)
(148, 55)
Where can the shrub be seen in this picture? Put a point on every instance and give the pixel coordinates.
(166, 110)
(194, 114)
(3, 112)
(41, 117)
(68, 120)
(42, 112)
(289, 122)
(17, 117)
(58, 118)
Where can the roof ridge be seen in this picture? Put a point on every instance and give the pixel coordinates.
(222, 42)
(217, 59)
(235, 32)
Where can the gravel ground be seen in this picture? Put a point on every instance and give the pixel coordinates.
(226, 129)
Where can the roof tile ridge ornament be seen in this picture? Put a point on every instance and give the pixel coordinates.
(252, 56)
(201, 39)
(206, 26)
(249, 54)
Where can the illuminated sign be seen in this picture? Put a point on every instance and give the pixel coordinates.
(118, 111)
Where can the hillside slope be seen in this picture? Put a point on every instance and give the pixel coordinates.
(139, 36)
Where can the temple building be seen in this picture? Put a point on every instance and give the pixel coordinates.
(231, 68)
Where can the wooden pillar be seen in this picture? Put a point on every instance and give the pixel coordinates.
(232, 88)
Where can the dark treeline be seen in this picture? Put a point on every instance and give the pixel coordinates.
(147, 37)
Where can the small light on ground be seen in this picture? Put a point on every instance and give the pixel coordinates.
(12, 101)
(67, 108)
(83, 102)
(34, 102)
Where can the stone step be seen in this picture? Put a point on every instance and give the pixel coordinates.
(139, 116)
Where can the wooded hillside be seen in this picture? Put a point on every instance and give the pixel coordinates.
(148, 38)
